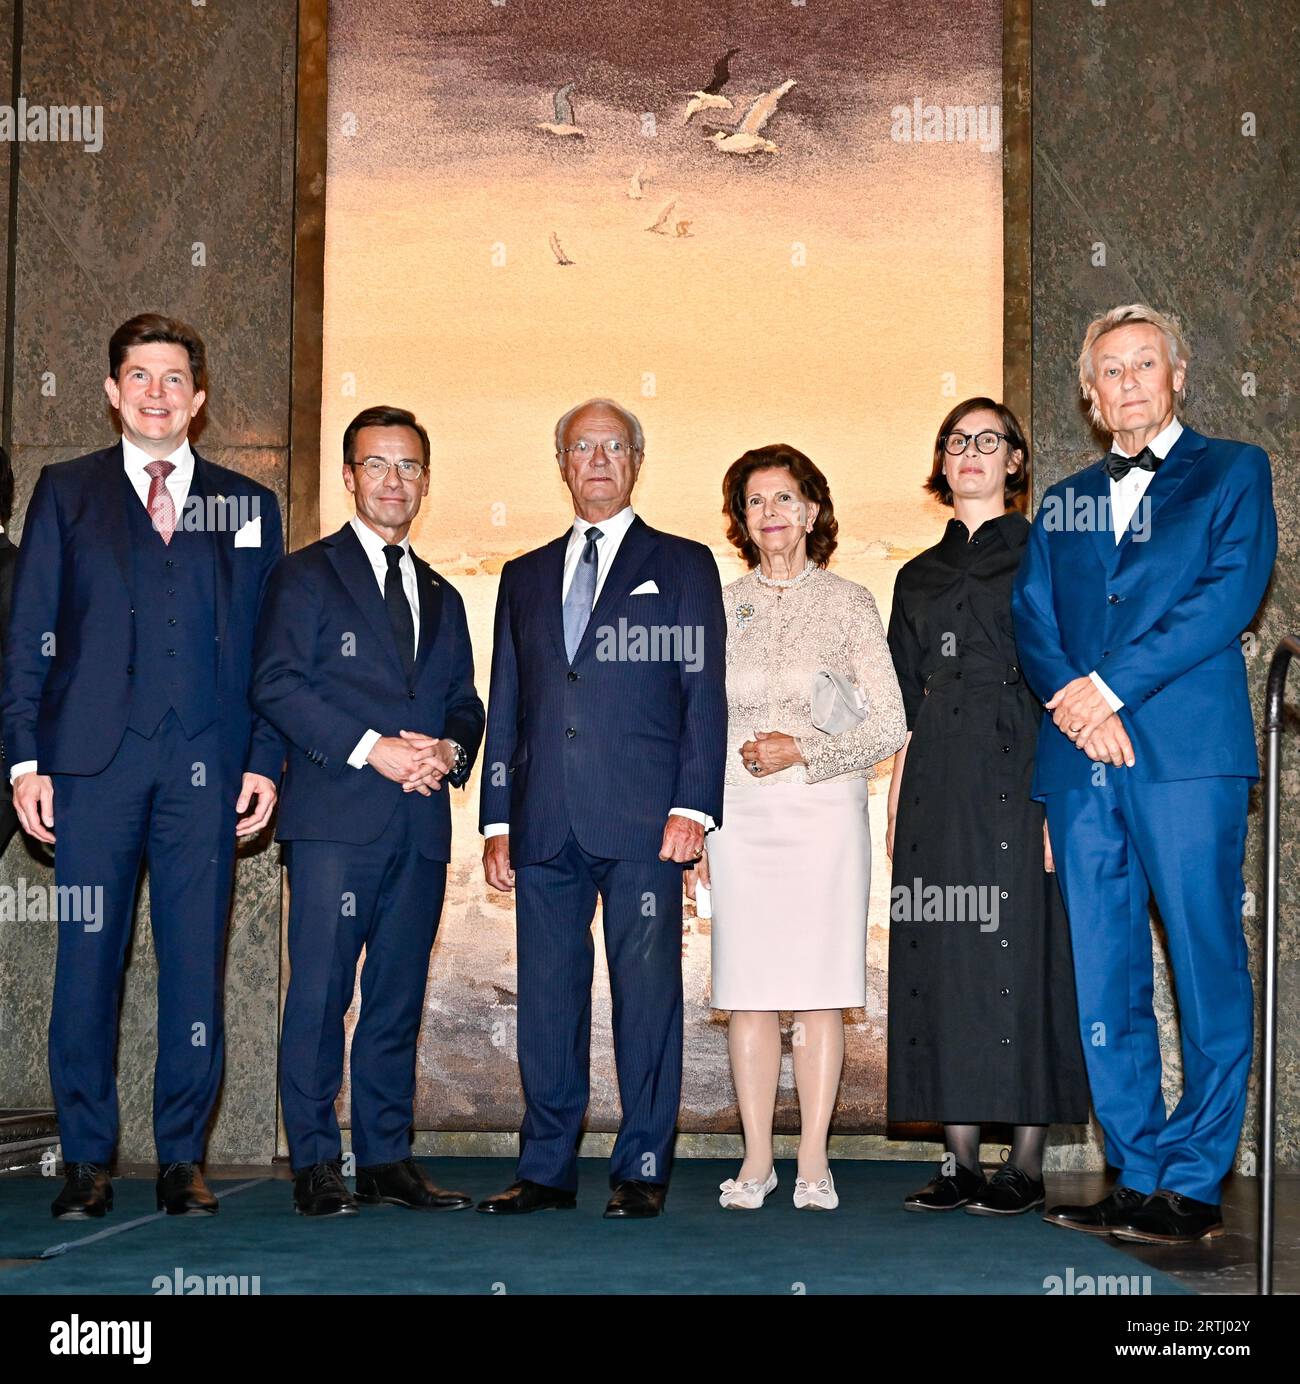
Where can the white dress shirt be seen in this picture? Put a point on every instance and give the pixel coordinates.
(374, 546)
(1125, 496)
(612, 532)
(134, 460)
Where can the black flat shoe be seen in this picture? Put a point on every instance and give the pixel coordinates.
(1169, 1218)
(636, 1201)
(1009, 1192)
(181, 1191)
(522, 1197)
(406, 1184)
(321, 1191)
(87, 1191)
(1100, 1218)
(943, 1193)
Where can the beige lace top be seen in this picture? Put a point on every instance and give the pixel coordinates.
(778, 639)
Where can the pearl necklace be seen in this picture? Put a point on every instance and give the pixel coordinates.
(784, 585)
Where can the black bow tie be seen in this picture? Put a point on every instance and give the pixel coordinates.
(1117, 467)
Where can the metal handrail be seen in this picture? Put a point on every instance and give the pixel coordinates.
(1274, 710)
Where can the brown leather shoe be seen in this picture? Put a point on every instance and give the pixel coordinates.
(181, 1191)
(87, 1191)
(406, 1184)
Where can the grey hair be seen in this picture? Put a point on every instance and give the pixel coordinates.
(1165, 323)
(632, 422)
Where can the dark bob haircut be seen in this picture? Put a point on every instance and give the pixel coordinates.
(383, 416)
(1016, 486)
(810, 483)
(153, 326)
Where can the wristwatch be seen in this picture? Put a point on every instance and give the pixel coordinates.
(462, 759)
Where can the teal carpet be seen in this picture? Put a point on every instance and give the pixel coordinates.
(869, 1245)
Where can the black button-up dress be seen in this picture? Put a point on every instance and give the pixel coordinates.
(983, 1025)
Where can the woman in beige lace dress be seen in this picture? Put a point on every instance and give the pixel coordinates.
(790, 867)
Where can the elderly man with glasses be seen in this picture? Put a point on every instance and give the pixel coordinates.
(602, 768)
(364, 663)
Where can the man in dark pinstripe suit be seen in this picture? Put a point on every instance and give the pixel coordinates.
(603, 766)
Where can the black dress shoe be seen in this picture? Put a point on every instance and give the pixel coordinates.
(181, 1191)
(1169, 1218)
(321, 1191)
(87, 1191)
(944, 1193)
(1009, 1192)
(524, 1196)
(636, 1201)
(1100, 1218)
(406, 1184)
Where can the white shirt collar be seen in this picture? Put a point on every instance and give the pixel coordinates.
(374, 544)
(614, 527)
(135, 459)
(1161, 444)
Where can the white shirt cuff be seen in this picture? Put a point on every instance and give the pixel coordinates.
(367, 743)
(497, 829)
(28, 766)
(1112, 700)
(692, 815)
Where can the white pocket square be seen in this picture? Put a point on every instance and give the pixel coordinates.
(647, 588)
(250, 535)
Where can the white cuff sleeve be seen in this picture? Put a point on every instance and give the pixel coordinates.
(497, 829)
(692, 815)
(1112, 700)
(367, 743)
(28, 766)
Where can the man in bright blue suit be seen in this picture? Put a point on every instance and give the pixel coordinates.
(363, 661)
(1141, 574)
(126, 708)
(604, 760)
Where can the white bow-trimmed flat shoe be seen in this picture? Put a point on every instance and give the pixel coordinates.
(748, 1195)
(816, 1196)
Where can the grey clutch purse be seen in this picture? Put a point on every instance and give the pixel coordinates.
(837, 705)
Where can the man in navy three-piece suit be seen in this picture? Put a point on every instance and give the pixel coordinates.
(1142, 573)
(363, 661)
(126, 712)
(604, 764)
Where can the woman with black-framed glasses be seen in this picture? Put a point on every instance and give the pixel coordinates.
(983, 1025)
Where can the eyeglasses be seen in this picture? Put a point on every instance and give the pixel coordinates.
(377, 468)
(987, 442)
(586, 447)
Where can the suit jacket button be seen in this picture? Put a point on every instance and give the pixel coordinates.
(573, 677)
(411, 695)
(570, 732)
(1113, 598)
(130, 668)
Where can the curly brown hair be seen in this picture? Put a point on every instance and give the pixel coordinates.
(810, 483)
(1016, 486)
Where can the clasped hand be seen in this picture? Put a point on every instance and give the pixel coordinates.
(418, 762)
(1084, 716)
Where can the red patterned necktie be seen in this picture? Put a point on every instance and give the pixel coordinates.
(161, 506)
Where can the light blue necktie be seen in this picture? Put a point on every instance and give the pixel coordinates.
(582, 595)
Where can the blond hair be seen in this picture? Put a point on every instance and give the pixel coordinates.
(1165, 323)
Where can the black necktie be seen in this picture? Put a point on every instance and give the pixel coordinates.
(1117, 467)
(399, 608)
